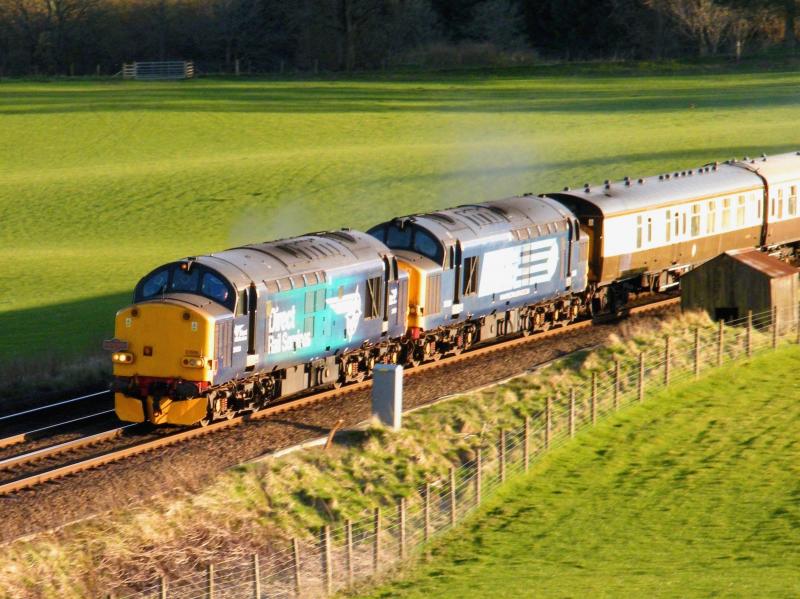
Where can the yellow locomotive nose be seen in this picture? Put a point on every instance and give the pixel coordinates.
(162, 363)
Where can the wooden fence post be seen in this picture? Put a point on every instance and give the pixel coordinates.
(479, 477)
(526, 445)
(296, 565)
(666, 360)
(348, 532)
(256, 578)
(749, 334)
(641, 377)
(616, 383)
(697, 352)
(720, 341)
(210, 581)
(401, 513)
(326, 560)
(376, 549)
(774, 327)
(163, 587)
(548, 407)
(571, 412)
(593, 404)
(452, 496)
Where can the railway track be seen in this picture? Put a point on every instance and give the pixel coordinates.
(33, 468)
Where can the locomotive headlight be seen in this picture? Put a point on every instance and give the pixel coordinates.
(122, 357)
(191, 362)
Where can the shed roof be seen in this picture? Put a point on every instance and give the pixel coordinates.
(764, 263)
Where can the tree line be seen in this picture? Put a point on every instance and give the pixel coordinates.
(89, 36)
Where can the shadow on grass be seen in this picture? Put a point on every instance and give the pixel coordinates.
(52, 352)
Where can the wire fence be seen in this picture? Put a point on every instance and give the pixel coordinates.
(364, 549)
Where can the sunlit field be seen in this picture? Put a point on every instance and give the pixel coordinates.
(692, 494)
(102, 181)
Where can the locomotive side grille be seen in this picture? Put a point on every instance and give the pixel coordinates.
(223, 341)
(433, 299)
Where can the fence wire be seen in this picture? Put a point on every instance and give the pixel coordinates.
(355, 551)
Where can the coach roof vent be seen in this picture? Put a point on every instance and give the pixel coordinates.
(641, 181)
(567, 187)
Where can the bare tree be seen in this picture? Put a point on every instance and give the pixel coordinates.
(703, 20)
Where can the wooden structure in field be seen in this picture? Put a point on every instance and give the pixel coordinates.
(741, 281)
(158, 70)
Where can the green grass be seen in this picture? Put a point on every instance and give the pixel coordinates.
(101, 181)
(693, 494)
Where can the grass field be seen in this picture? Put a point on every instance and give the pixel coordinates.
(693, 494)
(101, 181)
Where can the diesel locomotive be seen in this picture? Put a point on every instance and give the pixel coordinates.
(209, 337)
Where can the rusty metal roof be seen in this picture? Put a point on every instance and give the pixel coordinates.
(764, 263)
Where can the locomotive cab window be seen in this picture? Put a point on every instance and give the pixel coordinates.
(372, 301)
(184, 281)
(471, 275)
(213, 288)
(155, 285)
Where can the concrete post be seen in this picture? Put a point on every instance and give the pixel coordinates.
(387, 394)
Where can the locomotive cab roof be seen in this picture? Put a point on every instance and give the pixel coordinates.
(286, 263)
(431, 234)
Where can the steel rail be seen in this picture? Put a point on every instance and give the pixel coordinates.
(46, 452)
(292, 404)
(52, 405)
(28, 436)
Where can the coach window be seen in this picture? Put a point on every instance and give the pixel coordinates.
(780, 203)
(726, 214)
(772, 203)
(740, 212)
(677, 224)
(695, 220)
(791, 209)
(638, 232)
(669, 225)
(649, 229)
(711, 224)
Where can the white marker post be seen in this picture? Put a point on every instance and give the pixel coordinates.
(387, 394)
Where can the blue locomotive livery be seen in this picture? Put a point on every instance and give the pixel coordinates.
(214, 335)
(481, 271)
(211, 336)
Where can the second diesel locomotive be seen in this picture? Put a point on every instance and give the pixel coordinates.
(211, 336)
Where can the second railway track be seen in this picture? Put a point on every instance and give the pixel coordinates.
(29, 469)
